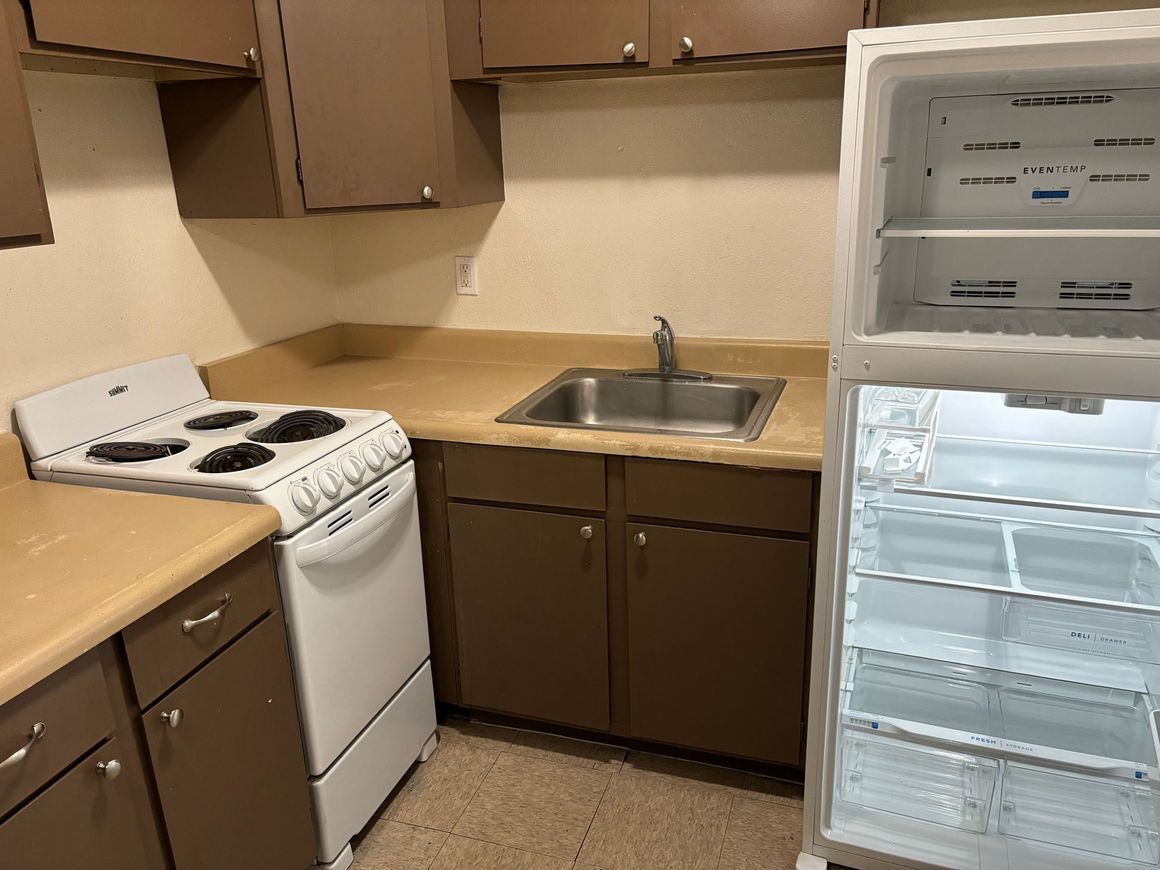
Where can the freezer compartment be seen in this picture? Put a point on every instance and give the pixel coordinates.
(1006, 714)
(1116, 818)
(932, 785)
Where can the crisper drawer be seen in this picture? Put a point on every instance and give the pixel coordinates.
(1114, 818)
(932, 785)
(1122, 634)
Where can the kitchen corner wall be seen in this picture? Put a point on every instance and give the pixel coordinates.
(707, 198)
(127, 280)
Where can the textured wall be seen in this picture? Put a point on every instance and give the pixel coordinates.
(707, 198)
(127, 280)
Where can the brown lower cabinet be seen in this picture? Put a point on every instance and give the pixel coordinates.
(649, 599)
(88, 818)
(717, 638)
(210, 776)
(231, 772)
(531, 596)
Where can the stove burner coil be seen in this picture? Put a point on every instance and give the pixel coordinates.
(234, 457)
(132, 451)
(220, 420)
(299, 426)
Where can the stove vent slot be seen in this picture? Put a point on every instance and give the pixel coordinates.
(1121, 176)
(378, 496)
(993, 146)
(987, 179)
(1062, 100)
(338, 523)
(1131, 141)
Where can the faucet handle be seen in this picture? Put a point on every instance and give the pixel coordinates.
(665, 327)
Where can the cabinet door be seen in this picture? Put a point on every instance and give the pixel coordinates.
(718, 28)
(529, 33)
(364, 103)
(231, 771)
(208, 31)
(531, 604)
(87, 818)
(23, 208)
(717, 640)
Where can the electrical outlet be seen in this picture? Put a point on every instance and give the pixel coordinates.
(466, 282)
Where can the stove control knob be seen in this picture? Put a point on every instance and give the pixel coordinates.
(373, 455)
(329, 481)
(352, 467)
(394, 444)
(304, 497)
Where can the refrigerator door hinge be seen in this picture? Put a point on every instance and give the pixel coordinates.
(298, 168)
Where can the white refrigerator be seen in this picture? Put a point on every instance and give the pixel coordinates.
(985, 676)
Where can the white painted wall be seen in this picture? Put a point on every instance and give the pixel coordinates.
(708, 198)
(127, 280)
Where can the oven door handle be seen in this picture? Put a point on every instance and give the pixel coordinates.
(376, 523)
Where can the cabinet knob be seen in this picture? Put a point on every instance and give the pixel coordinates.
(251, 54)
(173, 717)
(586, 532)
(428, 192)
(686, 44)
(109, 769)
(639, 539)
(629, 49)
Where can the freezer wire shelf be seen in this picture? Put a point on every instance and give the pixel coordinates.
(1003, 715)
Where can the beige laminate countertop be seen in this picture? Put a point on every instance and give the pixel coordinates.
(78, 564)
(458, 400)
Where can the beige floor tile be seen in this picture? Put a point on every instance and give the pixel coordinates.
(395, 846)
(761, 836)
(762, 788)
(438, 791)
(461, 853)
(477, 734)
(564, 750)
(528, 803)
(652, 820)
(687, 773)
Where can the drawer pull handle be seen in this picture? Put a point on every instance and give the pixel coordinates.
(18, 756)
(173, 717)
(110, 770)
(190, 624)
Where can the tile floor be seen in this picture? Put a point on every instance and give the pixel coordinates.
(495, 798)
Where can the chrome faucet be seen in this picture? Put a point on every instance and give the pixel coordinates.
(666, 341)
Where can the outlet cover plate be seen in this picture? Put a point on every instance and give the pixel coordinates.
(466, 279)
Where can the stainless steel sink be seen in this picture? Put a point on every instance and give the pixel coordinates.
(730, 408)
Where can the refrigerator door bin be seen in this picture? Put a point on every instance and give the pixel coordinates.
(1116, 818)
(933, 785)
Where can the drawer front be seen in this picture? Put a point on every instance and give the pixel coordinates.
(86, 819)
(518, 475)
(722, 495)
(164, 646)
(723, 28)
(71, 712)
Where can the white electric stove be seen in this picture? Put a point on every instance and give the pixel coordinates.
(348, 551)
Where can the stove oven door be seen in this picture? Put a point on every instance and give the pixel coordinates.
(352, 589)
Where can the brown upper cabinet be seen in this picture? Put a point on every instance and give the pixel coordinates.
(534, 33)
(217, 32)
(355, 110)
(727, 28)
(23, 207)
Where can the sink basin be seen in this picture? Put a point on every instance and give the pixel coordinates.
(730, 408)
